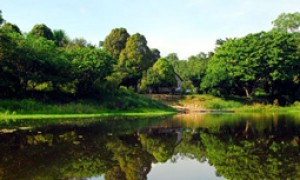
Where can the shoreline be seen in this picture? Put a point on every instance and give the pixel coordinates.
(78, 116)
(243, 109)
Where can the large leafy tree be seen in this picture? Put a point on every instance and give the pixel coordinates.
(92, 66)
(287, 22)
(134, 59)
(11, 27)
(9, 83)
(268, 60)
(27, 61)
(115, 42)
(41, 62)
(160, 75)
(41, 30)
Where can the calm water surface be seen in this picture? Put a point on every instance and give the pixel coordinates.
(190, 146)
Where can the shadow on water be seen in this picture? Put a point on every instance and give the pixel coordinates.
(237, 146)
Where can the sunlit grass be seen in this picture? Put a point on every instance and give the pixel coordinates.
(210, 102)
(78, 116)
(125, 104)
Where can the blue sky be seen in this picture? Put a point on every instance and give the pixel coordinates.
(185, 27)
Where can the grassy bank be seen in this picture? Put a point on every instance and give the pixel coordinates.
(81, 116)
(208, 102)
(126, 104)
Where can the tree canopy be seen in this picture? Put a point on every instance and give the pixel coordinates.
(266, 60)
(264, 64)
(60, 37)
(41, 30)
(115, 42)
(191, 70)
(1, 18)
(160, 75)
(11, 27)
(287, 22)
(33, 63)
(135, 58)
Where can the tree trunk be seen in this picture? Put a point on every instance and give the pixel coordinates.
(247, 92)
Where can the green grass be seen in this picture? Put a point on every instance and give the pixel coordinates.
(236, 104)
(81, 116)
(124, 103)
(208, 102)
(269, 108)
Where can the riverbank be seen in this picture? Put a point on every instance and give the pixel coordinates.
(210, 104)
(83, 116)
(126, 105)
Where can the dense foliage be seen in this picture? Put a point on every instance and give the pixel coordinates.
(160, 75)
(43, 62)
(135, 58)
(33, 64)
(115, 42)
(287, 22)
(267, 62)
(41, 30)
(11, 27)
(191, 70)
(1, 18)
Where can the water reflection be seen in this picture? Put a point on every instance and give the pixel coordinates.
(235, 146)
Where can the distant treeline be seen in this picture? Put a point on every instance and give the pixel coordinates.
(45, 62)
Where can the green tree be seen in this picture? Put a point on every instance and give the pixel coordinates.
(92, 66)
(172, 57)
(9, 83)
(29, 61)
(78, 43)
(11, 27)
(287, 22)
(134, 59)
(1, 18)
(41, 30)
(160, 75)
(155, 54)
(267, 60)
(191, 70)
(115, 42)
(60, 37)
(181, 68)
(197, 66)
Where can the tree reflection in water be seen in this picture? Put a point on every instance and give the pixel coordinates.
(238, 146)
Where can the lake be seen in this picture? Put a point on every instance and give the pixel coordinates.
(184, 146)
